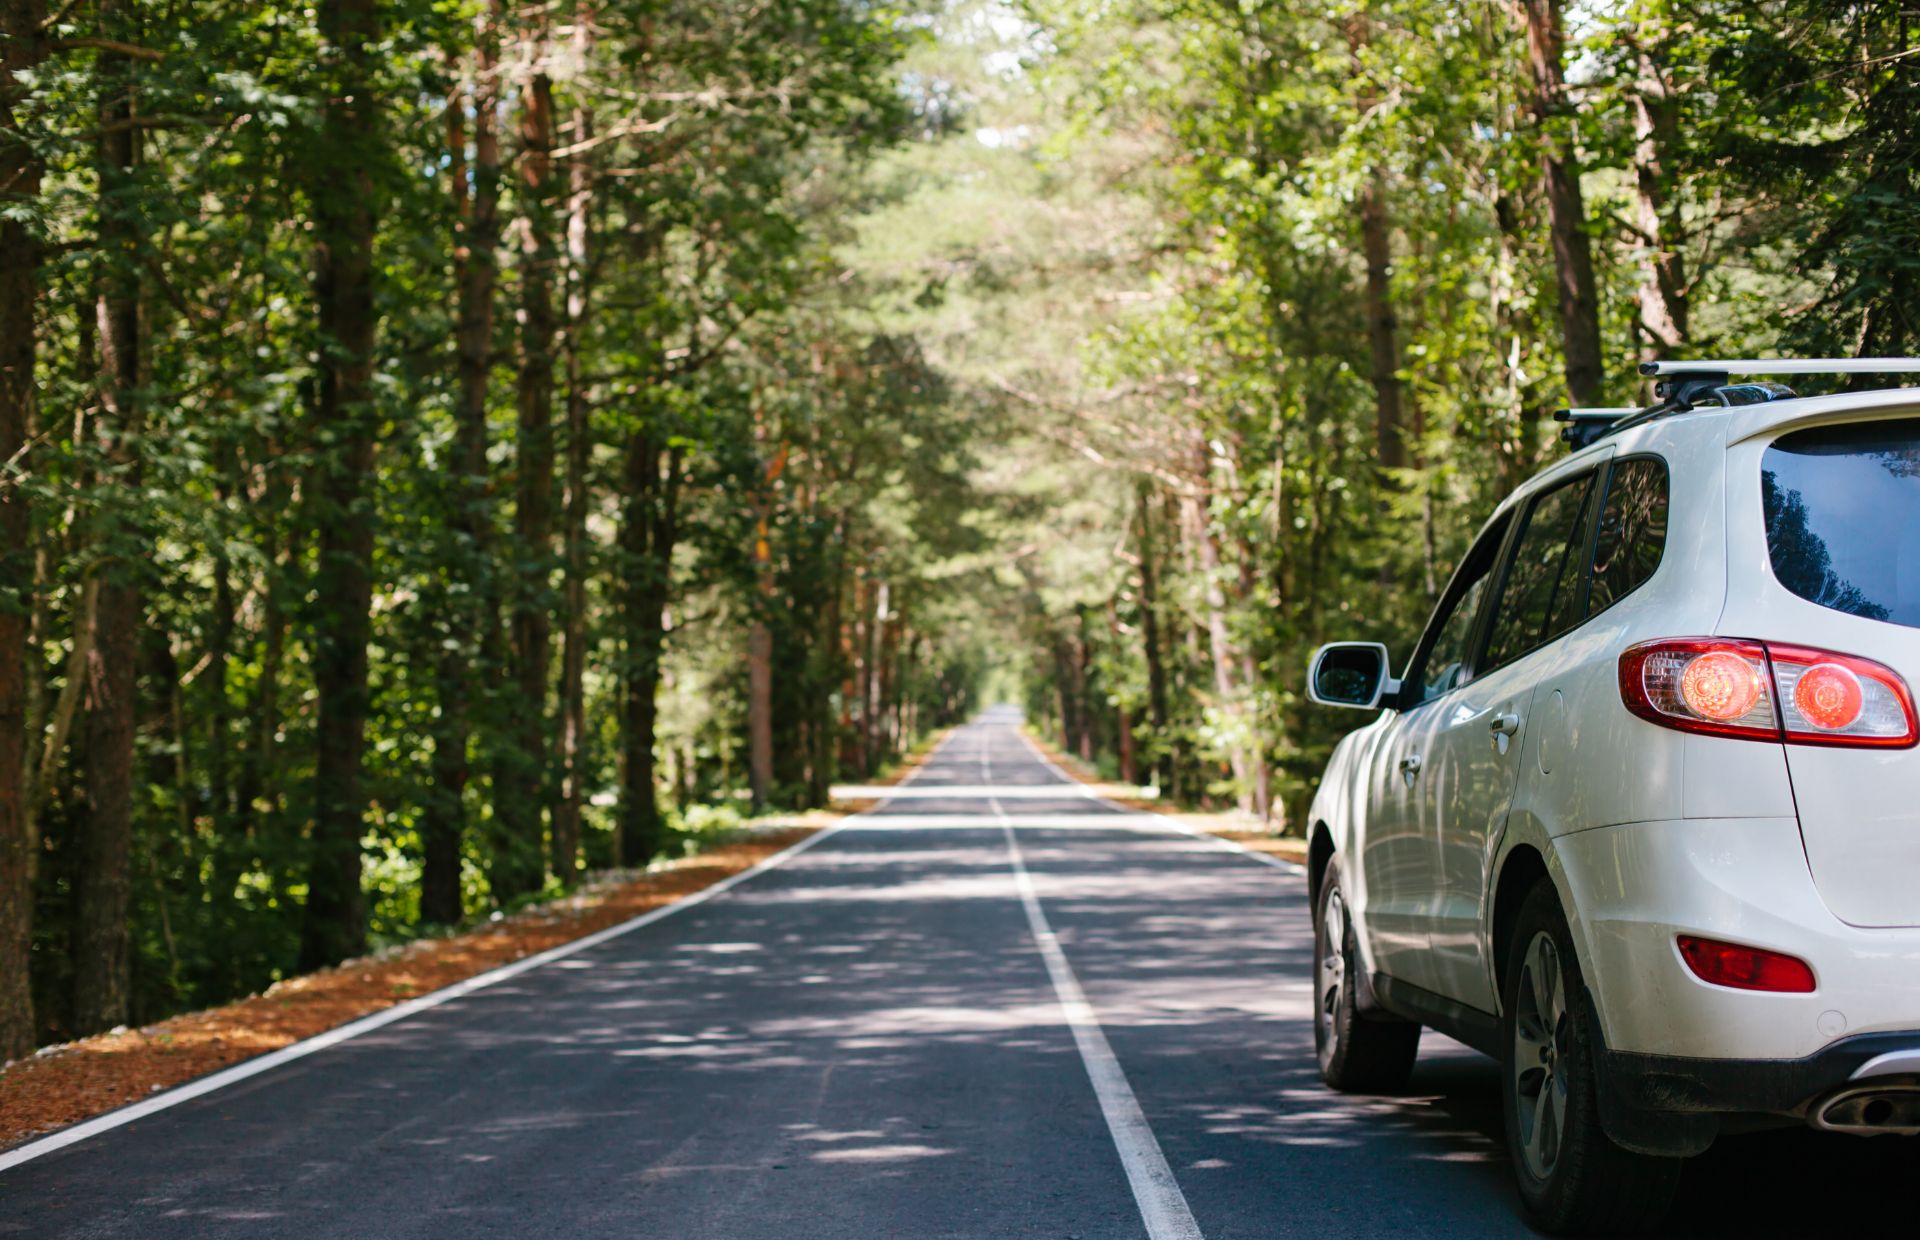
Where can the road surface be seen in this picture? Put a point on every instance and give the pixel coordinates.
(994, 1007)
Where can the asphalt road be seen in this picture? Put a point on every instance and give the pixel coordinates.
(992, 1008)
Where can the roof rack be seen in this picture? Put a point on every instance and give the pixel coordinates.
(1683, 386)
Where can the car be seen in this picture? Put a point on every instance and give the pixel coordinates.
(1640, 817)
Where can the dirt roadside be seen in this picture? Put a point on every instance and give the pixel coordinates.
(1226, 824)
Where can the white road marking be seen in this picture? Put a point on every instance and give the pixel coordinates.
(943, 792)
(975, 820)
(401, 1011)
(1163, 1207)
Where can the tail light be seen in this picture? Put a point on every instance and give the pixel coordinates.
(1722, 688)
(1837, 699)
(1769, 692)
(1745, 968)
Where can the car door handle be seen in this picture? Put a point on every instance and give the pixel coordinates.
(1504, 724)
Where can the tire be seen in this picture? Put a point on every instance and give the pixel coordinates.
(1359, 1054)
(1572, 1178)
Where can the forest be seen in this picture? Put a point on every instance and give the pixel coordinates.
(451, 446)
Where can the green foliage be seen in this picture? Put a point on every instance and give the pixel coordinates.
(1761, 157)
(706, 296)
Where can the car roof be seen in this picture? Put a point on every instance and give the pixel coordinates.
(1734, 425)
(1752, 421)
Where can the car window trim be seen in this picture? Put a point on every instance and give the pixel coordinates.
(1593, 542)
(1511, 549)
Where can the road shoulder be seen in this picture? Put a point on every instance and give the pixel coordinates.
(1229, 825)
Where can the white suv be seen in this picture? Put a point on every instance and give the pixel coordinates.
(1642, 817)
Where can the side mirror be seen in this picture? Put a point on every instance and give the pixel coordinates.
(1350, 674)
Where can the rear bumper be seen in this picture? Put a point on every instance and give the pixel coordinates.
(1669, 1104)
(1686, 1060)
(1631, 890)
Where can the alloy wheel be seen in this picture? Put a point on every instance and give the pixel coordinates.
(1332, 989)
(1541, 1034)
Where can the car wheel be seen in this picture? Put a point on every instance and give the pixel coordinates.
(1572, 1177)
(1358, 1053)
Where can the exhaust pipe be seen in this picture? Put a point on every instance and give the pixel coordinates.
(1871, 1110)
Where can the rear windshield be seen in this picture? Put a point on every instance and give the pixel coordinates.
(1843, 517)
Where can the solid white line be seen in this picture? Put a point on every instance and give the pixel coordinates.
(1163, 1207)
(401, 1011)
(1231, 846)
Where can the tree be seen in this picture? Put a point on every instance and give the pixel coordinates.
(345, 193)
(102, 878)
(519, 852)
(575, 639)
(1566, 201)
(1852, 168)
(22, 50)
(469, 607)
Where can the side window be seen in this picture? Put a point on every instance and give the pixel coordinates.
(1442, 661)
(1633, 531)
(1541, 595)
(1447, 661)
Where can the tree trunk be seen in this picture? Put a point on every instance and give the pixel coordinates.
(258, 792)
(1063, 691)
(22, 49)
(469, 605)
(887, 659)
(1518, 444)
(345, 215)
(573, 648)
(1224, 658)
(221, 631)
(1123, 718)
(873, 683)
(760, 636)
(760, 711)
(1566, 204)
(1383, 338)
(650, 530)
(1376, 244)
(856, 709)
(1082, 695)
(102, 976)
(1663, 279)
(1150, 642)
(820, 775)
(519, 851)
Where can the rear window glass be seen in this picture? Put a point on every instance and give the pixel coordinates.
(1843, 517)
(1540, 598)
(1633, 531)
